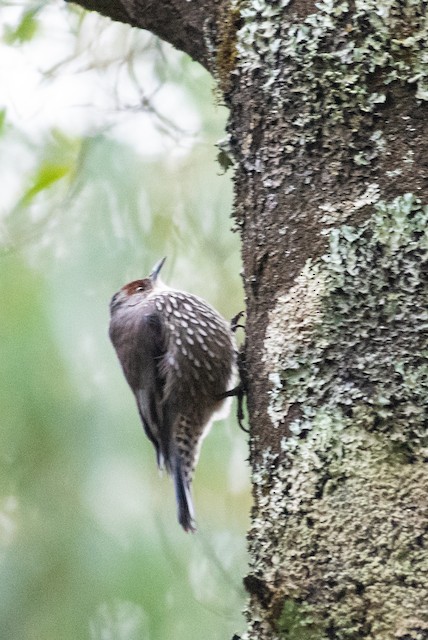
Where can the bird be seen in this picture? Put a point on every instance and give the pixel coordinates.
(179, 356)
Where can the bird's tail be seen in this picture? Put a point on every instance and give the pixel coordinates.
(183, 497)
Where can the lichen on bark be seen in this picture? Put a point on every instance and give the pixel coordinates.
(353, 332)
(329, 79)
(333, 67)
(342, 511)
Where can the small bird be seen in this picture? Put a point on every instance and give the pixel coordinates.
(178, 356)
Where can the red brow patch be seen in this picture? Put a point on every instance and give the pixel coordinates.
(137, 285)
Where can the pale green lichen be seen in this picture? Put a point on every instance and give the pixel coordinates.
(339, 212)
(356, 321)
(345, 498)
(341, 530)
(301, 307)
(333, 67)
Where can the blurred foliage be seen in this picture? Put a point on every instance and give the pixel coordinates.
(26, 27)
(89, 543)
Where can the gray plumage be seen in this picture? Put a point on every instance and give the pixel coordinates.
(178, 356)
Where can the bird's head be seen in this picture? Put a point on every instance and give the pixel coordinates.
(138, 290)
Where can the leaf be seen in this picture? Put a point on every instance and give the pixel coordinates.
(25, 30)
(47, 174)
(2, 120)
(224, 160)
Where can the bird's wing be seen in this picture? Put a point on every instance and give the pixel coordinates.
(156, 419)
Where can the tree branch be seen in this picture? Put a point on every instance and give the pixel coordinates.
(182, 23)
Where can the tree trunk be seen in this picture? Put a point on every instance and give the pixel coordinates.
(328, 128)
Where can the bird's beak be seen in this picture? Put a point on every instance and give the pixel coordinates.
(156, 269)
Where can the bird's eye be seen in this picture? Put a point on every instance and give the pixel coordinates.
(138, 286)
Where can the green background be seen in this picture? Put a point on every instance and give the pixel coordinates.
(89, 543)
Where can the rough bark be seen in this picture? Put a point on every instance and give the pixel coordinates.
(328, 124)
(328, 127)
